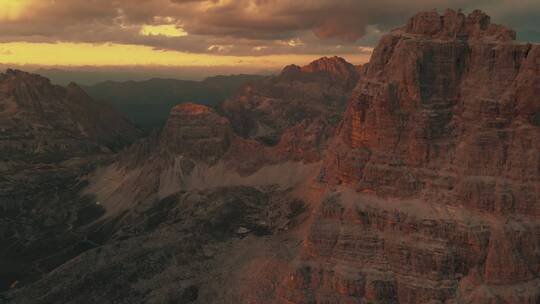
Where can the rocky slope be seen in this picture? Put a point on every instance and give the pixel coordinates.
(428, 193)
(198, 147)
(50, 137)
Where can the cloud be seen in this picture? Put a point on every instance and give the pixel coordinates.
(239, 27)
(5, 52)
(167, 30)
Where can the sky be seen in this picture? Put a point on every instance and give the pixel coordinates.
(244, 34)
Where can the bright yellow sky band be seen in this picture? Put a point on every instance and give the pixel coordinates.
(109, 54)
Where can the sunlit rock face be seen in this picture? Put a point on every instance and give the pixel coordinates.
(444, 111)
(437, 169)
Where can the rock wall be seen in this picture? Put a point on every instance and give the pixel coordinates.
(435, 173)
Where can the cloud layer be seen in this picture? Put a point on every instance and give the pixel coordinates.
(239, 27)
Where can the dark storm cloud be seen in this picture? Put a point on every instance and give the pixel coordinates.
(254, 27)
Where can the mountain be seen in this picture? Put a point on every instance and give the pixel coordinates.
(264, 110)
(437, 170)
(37, 117)
(199, 146)
(425, 189)
(50, 137)
(148, 102)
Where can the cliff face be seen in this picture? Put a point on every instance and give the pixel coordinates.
(437, 169)
(197, 132)
(446, 113)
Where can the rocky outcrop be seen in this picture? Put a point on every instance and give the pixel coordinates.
(456, 25)
(197, 132)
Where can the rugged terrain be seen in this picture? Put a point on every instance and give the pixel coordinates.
(265, 110)
(424, 190)
(437, 173)
(50, 136)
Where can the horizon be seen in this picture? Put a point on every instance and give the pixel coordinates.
(90, 75)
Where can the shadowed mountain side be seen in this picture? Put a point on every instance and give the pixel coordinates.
(50, 137)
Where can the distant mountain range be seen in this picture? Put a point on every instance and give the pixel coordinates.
(148, 103)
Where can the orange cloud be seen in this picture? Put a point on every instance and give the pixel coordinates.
(12, 9)
(167, 30)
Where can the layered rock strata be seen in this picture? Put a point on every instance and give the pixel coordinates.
(441, 145)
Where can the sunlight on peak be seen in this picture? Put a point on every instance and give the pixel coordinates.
(167, 30)
(12, 9)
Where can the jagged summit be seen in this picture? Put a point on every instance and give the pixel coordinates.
(335, 67)
(455, 24)
(329, 64)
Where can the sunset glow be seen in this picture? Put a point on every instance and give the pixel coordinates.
(12, 9)
(209, 32)
(167, 30)
(110, 54)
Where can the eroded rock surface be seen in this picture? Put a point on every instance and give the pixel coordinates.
(441, 145)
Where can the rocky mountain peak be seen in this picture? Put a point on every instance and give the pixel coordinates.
(333, 65)
(290, 70)
(196, 131)
(455, 24)
(14, 79)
